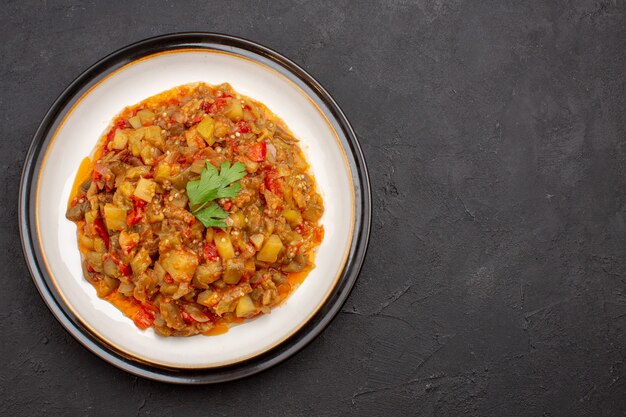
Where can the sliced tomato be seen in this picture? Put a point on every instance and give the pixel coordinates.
(102, 231)
(257, 152)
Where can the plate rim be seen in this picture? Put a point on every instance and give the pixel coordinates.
(33, 162)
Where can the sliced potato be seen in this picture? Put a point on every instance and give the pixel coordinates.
(270, 250)
(234, 111)
(245, 307)
(140, 262)
(224, 245)
(120, 139)
(180, 264)
(257, 240)
(293, 217)
(152, 135)
(135, 122)
(146, 116)
(205, 129)
(145, 189)
(115, 217)
(207, 274)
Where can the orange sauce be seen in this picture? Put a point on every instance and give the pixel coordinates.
(220, 328)
(84, 172)
(124, 304)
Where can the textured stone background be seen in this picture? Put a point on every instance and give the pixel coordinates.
(495, 282)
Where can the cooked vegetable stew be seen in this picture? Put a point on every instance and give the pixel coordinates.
(196, 211)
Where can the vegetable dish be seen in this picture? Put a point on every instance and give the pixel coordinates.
(196, 210)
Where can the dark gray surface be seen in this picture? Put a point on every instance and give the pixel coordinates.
(495, 283)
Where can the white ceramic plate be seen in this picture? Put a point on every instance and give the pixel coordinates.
(69, 133)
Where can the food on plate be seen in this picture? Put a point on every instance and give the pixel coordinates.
(196, 210)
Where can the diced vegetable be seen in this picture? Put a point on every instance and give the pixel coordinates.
(296, 265)
(239, 220)
(148, 153)
(134, 142)
(126, 189)
(197, 166)
(145, 189)
(171, 315)
(270, 250)
(85, 242)
(162, 172)
(224, 245)
(257, 240)
(90, 216)
(94, 260)
(115, 217)
(77, 212)
(107, 286)
(140, 262)
(234, 111)
(146, 116)
(128, 240)
(207, 274)
(180, 264)
(135, 122)
(221, 128)
(196, 313)
(205, 129)
(233, 271)
(99, 245)
(152, 135)
(208, 298)
(245, 307)
(293, 217)
(110, 268)
(119, 140)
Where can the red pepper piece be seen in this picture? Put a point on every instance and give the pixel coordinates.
(271, 182)
(138, 203)
(227, 205)
(209, 250)
(124, 269)
(133, 218)
(102, 231)
(257, 152)
(143, 319)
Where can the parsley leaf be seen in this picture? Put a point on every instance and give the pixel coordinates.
(213, 185)
(211, 216)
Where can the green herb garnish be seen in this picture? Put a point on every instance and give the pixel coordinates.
(213, 185)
